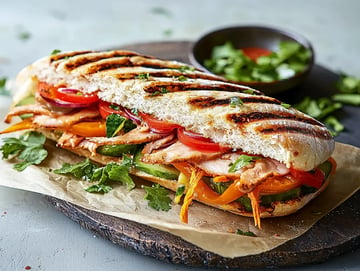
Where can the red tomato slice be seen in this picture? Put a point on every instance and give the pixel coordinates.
(74, 96)
(198, 142)
(46, 90)
(315, 179)
(107, 109)
(50, 92)
(158, 126)
(255, 52)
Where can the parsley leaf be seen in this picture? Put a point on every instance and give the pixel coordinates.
(55, 52)
(143, 76)
(233, 64)
(115, 123)
(242, 161)
(3, 90)
(82, 170)
(99, 188)
(158, 197)
(89, 171)
(246, 233)
(235, 101)
(114, 172)
(28, 149)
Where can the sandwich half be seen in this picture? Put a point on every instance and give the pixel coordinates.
(223, 144)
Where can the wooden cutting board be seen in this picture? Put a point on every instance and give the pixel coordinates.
(335, 234)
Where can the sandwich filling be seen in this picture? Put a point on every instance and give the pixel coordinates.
(202, 169)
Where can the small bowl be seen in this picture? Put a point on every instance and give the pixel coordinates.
(252, 36)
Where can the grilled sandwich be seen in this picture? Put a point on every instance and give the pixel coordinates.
(228, 146)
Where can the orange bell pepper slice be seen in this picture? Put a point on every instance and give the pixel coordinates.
(22, 125)
(89, 128)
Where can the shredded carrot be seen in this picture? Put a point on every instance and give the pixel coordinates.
(196, 175)
(23, 125)
(220, 179)
(255, 205)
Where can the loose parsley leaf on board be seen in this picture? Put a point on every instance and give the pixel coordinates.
(28, 149)
(104, 176)
(158, 197)
(82, 170)
(246, 233)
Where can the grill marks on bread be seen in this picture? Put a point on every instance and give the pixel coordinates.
(272, 122)
(162, 76)
(154, 71)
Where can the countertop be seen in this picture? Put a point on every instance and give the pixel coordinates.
(35, 236)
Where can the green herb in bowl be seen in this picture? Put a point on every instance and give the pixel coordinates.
(258, 64)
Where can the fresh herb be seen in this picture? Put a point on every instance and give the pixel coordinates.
(186, 68)
(161, 11)
(334, 124)
(347, 98)
(323, 108)
(182, 78)
(233, 64)
(143, 76)
(318, 108)
(180, 190)
(158, 197)
(115, 123)
(99, 188)
(167, 32)
(348, 84)
(104, 176)
(235, 101)
(28, 149)
(24, 35)
(114, 107)
(246, 233)
(160, 92)
(242, 161)
(114, 172)
(3, 90)
(135, 111)
(55, 52)
(248, 91)
(82, 170)
(285, 105)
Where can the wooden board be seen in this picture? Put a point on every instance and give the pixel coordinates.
(335, 234)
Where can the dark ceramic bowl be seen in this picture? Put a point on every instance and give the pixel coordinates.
(252, 36)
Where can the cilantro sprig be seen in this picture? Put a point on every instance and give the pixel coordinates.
(115, 123)
(245, 233)
(28, 149)
(158, 197)
(230, 62)
(3, 90)
(103, 176)
(323, 108)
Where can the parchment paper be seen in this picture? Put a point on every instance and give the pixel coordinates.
(209, 228)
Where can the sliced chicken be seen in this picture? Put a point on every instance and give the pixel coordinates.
(178, 152)
(139, 135)
(35, 109)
